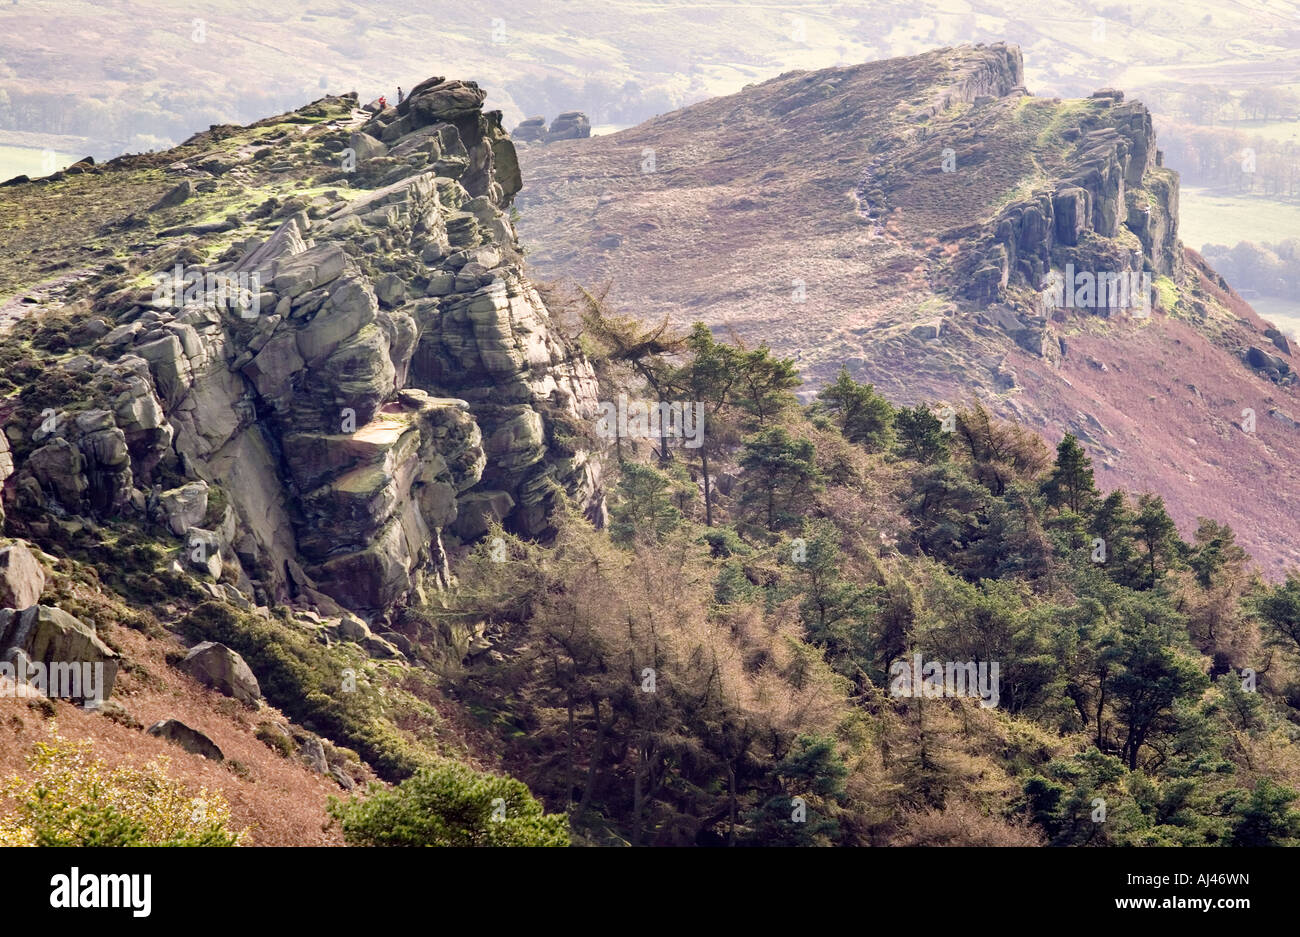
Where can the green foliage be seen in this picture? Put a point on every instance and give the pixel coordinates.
(1150, 676)
(863, 416)
(1279, 608)
(74, 799)
(1157, 537)
(306, 681)
(814, 773)
(643, 506)
(837, 614)
(450, 804)
(1070, 485)
(781, 476)
(765, 384)
(1266, 817)
(920, 435)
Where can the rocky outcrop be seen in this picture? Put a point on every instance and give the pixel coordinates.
(50, 636)
(1112, 184)
(308, 416)
(571, 125)
(530, 130)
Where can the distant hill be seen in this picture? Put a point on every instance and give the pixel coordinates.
(900, 217)
(140, 74)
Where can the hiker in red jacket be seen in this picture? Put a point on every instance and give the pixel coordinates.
(383, 102)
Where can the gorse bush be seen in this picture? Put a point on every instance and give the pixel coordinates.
(75, 799)
(450, 804)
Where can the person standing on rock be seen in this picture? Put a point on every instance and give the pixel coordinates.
(383, 102)
(400, 96)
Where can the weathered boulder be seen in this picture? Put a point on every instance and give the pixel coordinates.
(534, 128)
(1278, 339)
(438, 100)
(365, 146)
(1258, 358)
(351, 306)
(312, 752)
(58, 467)
(313, 268)
(192, 740)
(21, 577)
(203, 552)
(571, 125)
(353, 629)
(184, 507)
(171, 368)
(217, 666)
(49, 635)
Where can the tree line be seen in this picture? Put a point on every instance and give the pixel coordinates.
(712, 667)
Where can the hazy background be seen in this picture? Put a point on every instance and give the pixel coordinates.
(1222, 77)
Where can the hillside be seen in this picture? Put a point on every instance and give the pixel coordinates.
(370, 531)
(813, 212)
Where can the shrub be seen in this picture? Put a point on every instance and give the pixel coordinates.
(74, 799)
(450, 804)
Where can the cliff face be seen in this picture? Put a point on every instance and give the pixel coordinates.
(320, 390)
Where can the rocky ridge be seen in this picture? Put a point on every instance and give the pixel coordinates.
(906, 219)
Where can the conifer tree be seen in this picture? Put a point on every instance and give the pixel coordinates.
(1070, 485)
(864, 417)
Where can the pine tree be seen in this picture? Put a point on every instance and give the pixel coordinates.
(711, 377)
(920, 435)
(643, 506)
(814, 773)
(864, 417)
(766, 383)
(780, 475)
(1156, 532)
(1070, 485)
(1279, 607)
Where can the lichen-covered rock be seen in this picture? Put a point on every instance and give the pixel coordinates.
(183, 507)
(534, 128)
(58, 468)
(1111, 185)
(339, 394)
(203, 552)
(571, 125)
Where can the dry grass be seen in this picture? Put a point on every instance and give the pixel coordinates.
(281, 801)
